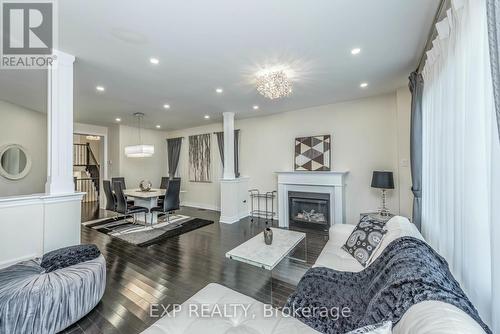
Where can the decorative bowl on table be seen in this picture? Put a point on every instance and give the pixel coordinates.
(145, 185)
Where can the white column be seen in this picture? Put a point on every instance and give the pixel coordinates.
(229, 146)
(233, 191)
(60, 125)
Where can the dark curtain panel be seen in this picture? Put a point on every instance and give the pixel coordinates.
(220, 142)
(417, 89)
(494, 38)
(174, 151)
(237, 153)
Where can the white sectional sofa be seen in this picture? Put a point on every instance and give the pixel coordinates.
(424, 318)
(429, 317)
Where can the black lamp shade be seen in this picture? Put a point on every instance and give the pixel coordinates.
(383, 180)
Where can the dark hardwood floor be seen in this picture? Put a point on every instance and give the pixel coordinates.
(173, 270)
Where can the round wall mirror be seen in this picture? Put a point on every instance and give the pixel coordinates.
(15, 162)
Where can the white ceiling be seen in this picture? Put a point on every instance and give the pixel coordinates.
(203, 45)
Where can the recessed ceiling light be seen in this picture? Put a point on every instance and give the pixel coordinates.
(219, 90)
(255, 107)
(154, 61)
(166, 106)
(100, 88)
(356, 51)
(207, 116)
(363, 85)
(158, 126)
(118, 119)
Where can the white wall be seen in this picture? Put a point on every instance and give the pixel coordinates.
(365, 136)
(137, 169)
(29, 129)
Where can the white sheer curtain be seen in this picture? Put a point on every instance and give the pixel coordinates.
(461, 156)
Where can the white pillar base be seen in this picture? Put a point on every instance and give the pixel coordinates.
(234, 200)
(61, 221)
(59, 185)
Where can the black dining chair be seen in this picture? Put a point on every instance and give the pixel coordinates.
(163, 185)
(119, 179)
(172, 201)
(110, 197)
(122, 181)
(121, 204)
(164, 182)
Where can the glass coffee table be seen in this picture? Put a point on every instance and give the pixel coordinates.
(255, 252)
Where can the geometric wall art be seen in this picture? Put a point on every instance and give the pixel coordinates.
(313, 153)
(199, 158)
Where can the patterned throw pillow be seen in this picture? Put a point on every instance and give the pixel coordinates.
(68, 256)
(382, 328)
(365, 239)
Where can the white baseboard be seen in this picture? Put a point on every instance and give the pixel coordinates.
(233, 219)
(201, 206)
(227, 220)
(10, 262)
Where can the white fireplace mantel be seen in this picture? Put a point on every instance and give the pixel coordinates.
(332, 183)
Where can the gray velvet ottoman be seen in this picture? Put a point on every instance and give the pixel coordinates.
(32, 301)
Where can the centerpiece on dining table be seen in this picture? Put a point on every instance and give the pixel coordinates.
(145, 185)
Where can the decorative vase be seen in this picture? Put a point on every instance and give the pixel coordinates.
(268, 236)
(145, 185)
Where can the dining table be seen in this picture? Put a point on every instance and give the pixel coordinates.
(146, 199)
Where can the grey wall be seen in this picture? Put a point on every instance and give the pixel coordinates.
(29, 129)
(114, 151)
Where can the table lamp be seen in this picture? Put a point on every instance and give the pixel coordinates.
(384, 181)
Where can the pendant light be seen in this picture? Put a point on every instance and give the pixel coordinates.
(140, 150)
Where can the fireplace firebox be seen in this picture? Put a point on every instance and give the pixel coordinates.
(309, 210)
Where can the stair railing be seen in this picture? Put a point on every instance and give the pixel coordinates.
(87, 186)
(84, 157)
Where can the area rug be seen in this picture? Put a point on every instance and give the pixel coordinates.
(140, 235)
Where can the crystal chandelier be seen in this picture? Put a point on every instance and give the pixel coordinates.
(141, 150)
(274, 84)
